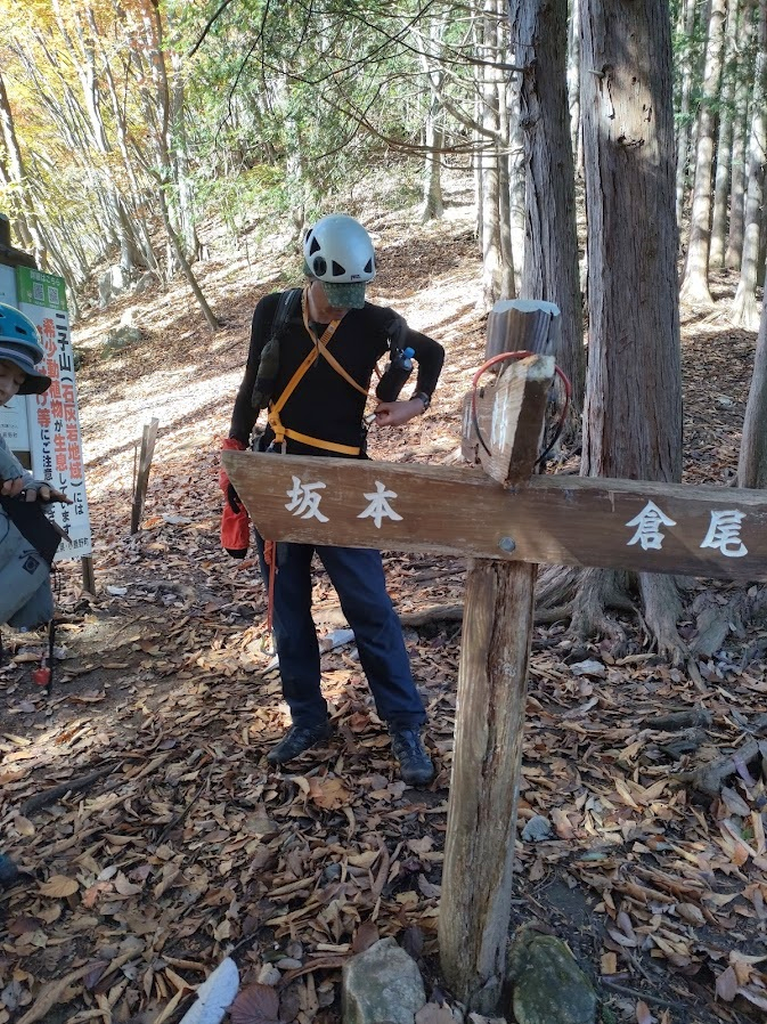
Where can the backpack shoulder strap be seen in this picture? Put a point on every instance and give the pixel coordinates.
(286, 307)
(269, 363)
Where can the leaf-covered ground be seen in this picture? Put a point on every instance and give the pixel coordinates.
(154, 839)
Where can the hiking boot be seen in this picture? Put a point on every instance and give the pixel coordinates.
(415, 765)
(296, 740)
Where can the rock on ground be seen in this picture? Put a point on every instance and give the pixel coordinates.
(381, 984)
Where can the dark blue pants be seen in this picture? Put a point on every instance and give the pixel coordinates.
(358, 577)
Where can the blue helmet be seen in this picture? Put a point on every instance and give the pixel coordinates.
(20, 345)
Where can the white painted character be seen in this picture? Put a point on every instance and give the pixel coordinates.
(305, 500)
(724, 533)
(379, 507)
(648, 523)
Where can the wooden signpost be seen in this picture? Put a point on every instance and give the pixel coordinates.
(506, 520)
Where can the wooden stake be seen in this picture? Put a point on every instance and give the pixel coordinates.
(475, 905)
(142, 477)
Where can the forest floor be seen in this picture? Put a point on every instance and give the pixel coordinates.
(170, 842)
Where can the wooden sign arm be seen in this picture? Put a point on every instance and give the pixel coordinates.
(644, 526)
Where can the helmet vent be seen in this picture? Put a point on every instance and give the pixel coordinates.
(369, 266)
(320, 265)
(338, 270)
(314, 245)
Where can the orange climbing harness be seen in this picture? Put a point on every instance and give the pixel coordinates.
(320, 348)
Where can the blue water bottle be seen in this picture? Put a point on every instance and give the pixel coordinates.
(395, 377)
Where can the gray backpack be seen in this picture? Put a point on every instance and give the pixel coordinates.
(26, 599)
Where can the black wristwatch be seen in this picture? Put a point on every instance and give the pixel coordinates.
(423, 397)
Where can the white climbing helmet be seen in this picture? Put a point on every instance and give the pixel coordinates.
(338, 252)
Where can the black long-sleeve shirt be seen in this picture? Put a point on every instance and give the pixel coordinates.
(324, 405)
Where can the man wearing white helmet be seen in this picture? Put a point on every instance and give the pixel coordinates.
(317, 407)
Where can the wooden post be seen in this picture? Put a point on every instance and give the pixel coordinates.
(523, 325)
(492, 681)
(142, 477)
(475, 905)
(88, 575)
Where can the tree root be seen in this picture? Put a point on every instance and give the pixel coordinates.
(549, 615)
(712, 624)
(675, 721)
(582, 597)
(49, 796)
(662, 611)
(686, 742)
(556, 586)
(599, 589)
(435, 613)
(709, 777)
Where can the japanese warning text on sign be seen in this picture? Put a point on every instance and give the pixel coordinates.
(54, 426)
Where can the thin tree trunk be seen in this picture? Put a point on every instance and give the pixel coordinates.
(745, 311)
(517, 189)
(724, 142)
(508, 281)
(734, 252)
(695, 287)
(24, 214)
(752, 463)
(494, 280)
(433, 205)
(178, 250)
(550, 272)
(573, 84)
(686, 31)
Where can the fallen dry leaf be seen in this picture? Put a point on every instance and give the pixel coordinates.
(59, 886)
(256, 1004)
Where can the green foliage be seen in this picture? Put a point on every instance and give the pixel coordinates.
(319, 92)
(267, 110)
(254, 194)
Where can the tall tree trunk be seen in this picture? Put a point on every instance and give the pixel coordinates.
(497, 279)
(724, 142)
(695, 287)
(686, 31)
(762, 269)
(752, 463)
(745, 311)
(433, 206)
(517, 189)
(740, 132)
(161, 115)
(573, 83)
(132, 194)
(633, 415)
(178, 251)
(509, 284)
(550, 272)
(82, 42)
(180, 162)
